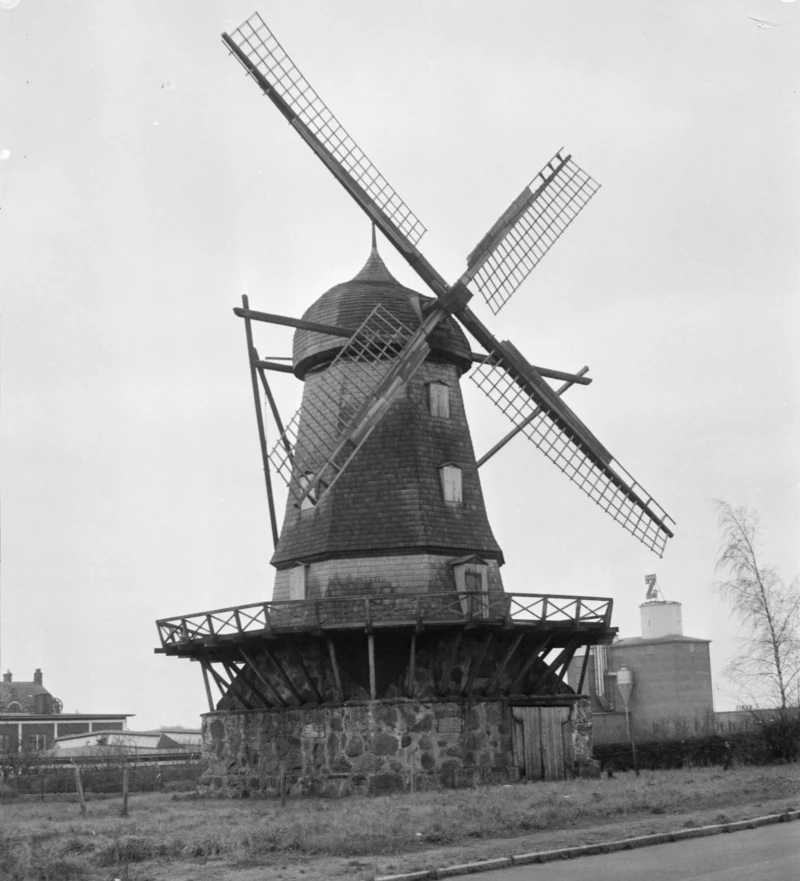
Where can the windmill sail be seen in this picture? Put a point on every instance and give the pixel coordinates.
(589, 466)
(263, 57)
(502, 260)
(527, 230)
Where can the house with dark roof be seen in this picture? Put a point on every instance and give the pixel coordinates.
(31, 718)
(27, 697)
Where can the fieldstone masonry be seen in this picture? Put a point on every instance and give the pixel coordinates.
(368, 747)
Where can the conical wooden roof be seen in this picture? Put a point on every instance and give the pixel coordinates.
(348, 304)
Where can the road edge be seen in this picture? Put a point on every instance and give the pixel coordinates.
(568, 853)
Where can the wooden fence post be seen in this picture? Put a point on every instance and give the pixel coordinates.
(79, 787)
(124, 811)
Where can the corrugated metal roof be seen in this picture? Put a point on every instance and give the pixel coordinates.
(123, 740)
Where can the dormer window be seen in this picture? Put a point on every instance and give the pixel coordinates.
(450, 475)
(439, 399)
(297, 581)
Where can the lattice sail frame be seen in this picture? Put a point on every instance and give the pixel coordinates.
(266, 54)
(618, 494)
(308, 447)
(531, 225)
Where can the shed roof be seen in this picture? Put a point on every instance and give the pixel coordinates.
(641, 640)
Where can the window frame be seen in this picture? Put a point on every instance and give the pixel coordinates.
(439, 399)
(452, 490)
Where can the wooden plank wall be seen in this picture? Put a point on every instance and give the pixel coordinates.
(542, 742)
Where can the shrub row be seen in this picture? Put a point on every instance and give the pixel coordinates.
(773, 740)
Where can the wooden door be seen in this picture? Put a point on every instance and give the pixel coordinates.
(542, 742)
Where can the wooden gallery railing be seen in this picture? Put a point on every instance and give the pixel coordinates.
(370, 612)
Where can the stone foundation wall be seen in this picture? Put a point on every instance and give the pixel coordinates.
(370, 748)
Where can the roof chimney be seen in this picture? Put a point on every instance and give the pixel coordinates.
(37, 676)
(7, 676)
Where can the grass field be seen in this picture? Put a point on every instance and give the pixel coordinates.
(183, 838)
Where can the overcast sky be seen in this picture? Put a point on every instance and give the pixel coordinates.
(147, 184)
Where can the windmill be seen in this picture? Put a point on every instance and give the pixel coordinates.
(496, 267)
(390, 636)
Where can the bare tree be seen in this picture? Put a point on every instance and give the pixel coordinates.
(767, 665)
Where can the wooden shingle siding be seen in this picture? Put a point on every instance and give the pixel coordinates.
(386, 524)
(390, 498)
(385, 575)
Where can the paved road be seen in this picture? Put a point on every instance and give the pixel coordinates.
(771, 853)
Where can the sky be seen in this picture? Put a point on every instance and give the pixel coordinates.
(146, 184)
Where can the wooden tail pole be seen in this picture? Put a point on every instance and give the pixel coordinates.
(262, 435)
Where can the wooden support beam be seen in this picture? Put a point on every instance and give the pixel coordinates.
(371, 652)
(262, 435)
(277, 699)
(503, 664)
(268, 704)
(412, 661)
(537, 654)
(284, 676)
(221, 684)
(584, 668)
(286, 321)
(335, 666)
(274, 408)
(448, 664)
(234, 686)
(476, 664)
(578, 378)
(304, 670)
(571, 649)
(272, 365)
(567, 652)
(208, 686)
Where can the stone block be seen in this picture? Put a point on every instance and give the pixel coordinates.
(424, 724)
(355, 746)
(387, 715)
(384, 745)
(407, 715)
(367, 764)
(293, 760)
(383, 784)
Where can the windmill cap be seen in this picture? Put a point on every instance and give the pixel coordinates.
(348, 304)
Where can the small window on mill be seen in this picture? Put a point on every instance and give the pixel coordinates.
(310, 501)
(451, 482)
(439, 399)
(297, 581)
